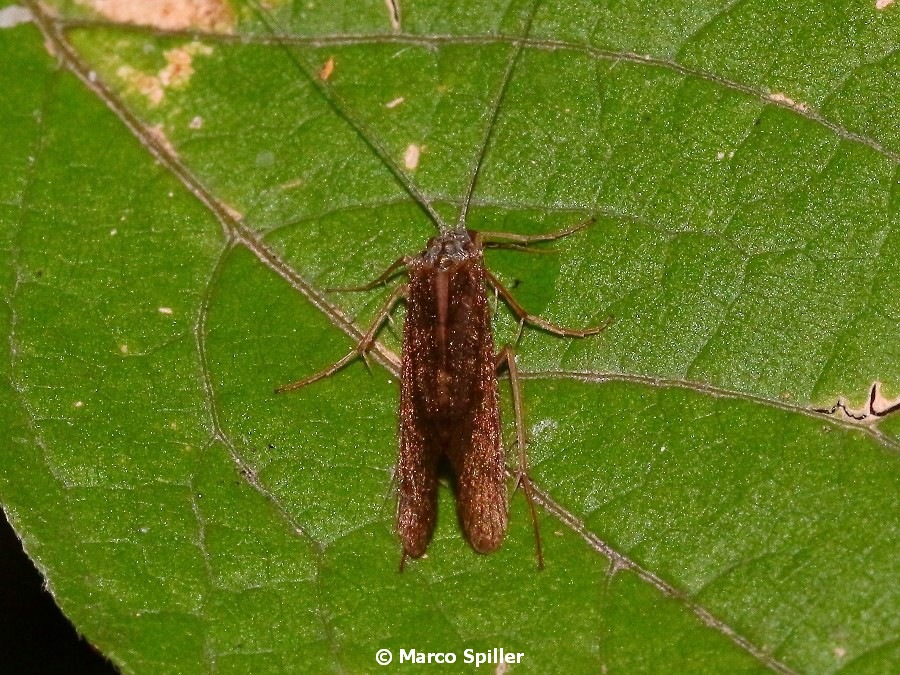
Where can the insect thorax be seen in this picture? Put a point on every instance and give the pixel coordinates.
(449, 248)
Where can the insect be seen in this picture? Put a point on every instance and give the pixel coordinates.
(449, 399)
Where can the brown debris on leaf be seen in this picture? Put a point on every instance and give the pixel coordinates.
(411, 156)
(876, 407)
(176, 73)
(393, 8)
(778, 97)
(327, 70)
(14, 15)
(209, 15)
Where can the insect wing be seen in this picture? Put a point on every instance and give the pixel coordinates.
(419, 454)
(449, 405)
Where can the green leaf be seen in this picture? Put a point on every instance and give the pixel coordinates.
(176, 198)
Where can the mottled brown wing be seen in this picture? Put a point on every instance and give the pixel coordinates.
(478, 462)
(416, 464)
(475, 449)
(449, 405)
(418, 457)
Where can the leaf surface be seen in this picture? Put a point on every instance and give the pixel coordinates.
(177, 200)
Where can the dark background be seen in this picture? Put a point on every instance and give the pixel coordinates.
(34, 635)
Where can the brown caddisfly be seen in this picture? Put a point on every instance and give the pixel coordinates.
(449, 399)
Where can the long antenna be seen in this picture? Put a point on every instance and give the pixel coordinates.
(492, 121)
(367, 135)
(362, 130)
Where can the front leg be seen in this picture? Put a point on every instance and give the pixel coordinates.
(359, 350)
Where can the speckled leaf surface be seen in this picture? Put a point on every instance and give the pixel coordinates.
(176, 199)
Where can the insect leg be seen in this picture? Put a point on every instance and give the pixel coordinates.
(507, 357)
(382, 278)
(538, 321)
(359, 350)
(525, 240)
